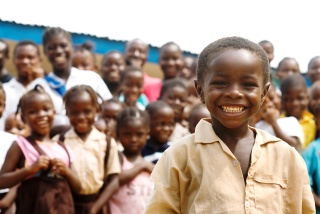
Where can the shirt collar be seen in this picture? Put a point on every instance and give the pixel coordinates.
(94, 135)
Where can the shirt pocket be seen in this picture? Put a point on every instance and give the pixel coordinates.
(269, 193)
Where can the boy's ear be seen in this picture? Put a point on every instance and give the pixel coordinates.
(199, 91)
(265, 92)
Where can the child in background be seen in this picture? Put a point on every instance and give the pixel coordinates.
(314, 96)
(132, 87)
(312, 159)
(170, 60)
(86, 141)
(6, 196)
(15, 125)
(227, 166)
(43, 164)
(112, 66)
(136, 54)
(57, 47)
(287, 129)
(175, 93)
(287, 66)
(269, 49)
(313, 72)
(110, 110)
(186, 72)
(83, 57)
(135, 185)
(295, 102)
(161, 127)
(196, 114)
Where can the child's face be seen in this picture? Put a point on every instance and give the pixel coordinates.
(314, 70)
(58, 51)
(171, 61)
(314, 98)
(26, 60)
(83, 60)
(109, 113)
(81, 112)
(286, 68)
(112, 67)
(162, 125)
(2, 102)
(274, 98)
(295, 101)
(101, 125)
(268, 48)
(233, 88)
(136, 53)
(132, 87)
(14, 125)
(38, 114)
(133, 135)
(176, 97)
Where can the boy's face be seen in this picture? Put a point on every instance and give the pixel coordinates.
(83, 60)
(112, 67)
(171, 61)
(132, 87)
(274, 98)
(162, 125)
(286, 68)
(314, 98)
(295, 101)
(314, 70)
(233, 88)
(136, 53)
(26, 60)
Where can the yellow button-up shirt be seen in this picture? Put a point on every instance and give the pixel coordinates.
(89, 159)
(199, 174)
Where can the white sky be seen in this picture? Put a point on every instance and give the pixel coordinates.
(292, 26)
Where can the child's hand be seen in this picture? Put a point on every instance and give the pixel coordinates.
(42, 163)
(270, 114)
(147, 166)
(59, 167)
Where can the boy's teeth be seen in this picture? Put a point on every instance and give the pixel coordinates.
(232, 109)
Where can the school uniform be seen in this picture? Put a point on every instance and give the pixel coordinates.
(199, 174)
(90, 165)
(309, 127)
(150, 154)
(57, 87)
(178, 132)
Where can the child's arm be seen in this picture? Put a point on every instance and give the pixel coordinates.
(316, 200)
(271, 115)
(73, 180)
(127, 175)
(110, 188)
(9, 176)
(9, 198)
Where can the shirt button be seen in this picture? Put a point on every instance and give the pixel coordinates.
(235, 163)
(247, 204)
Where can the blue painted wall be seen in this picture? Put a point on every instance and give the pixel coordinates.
(17, 32)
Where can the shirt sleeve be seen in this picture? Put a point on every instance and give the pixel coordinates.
(165, 197)
(113, 159)
(102, 89)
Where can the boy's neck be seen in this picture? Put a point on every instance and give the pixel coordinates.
(42, 138)
(64, 73)
(83, 136)
(132, 156)
(154, 143)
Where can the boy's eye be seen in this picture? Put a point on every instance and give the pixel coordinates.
(249, 85)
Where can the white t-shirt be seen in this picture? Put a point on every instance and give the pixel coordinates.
(77, 77)
(289, 125)
(6, 139)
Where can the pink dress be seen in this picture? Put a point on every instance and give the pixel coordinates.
(52, 150)
(131, 197)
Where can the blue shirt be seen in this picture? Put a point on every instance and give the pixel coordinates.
(312, 158)
(150, 154)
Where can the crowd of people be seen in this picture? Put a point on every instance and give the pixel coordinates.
(85, 138)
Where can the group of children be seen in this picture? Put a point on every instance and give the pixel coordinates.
(85, 143)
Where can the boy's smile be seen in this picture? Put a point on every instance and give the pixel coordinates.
(233, 89)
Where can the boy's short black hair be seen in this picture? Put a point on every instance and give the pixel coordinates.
(214, 49)
(265, 42)
(171, 83)
(286, 59)
(311, 61)
(24, 43)
(154, 107)
(293, 81)
(52, 31)
(129, 70)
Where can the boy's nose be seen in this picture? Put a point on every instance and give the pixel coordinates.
(235, 92)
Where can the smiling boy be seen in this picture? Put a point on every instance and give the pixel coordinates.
(227, 166)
